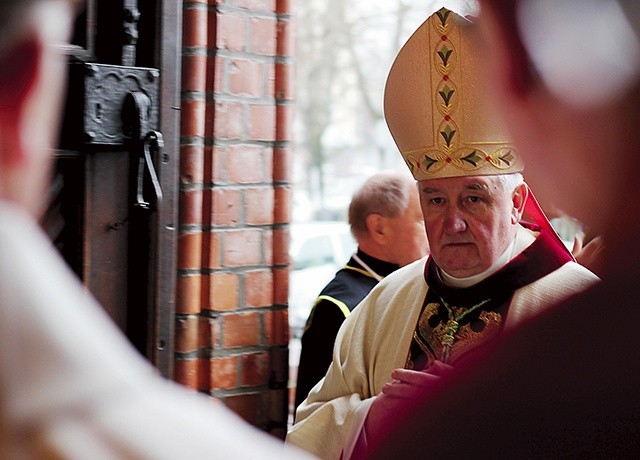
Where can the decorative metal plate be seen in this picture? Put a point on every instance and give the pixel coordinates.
(96, 117)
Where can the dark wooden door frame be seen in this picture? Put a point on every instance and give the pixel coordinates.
(125, 257)
(169, 35)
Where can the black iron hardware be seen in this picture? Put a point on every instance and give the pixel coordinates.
(98, 107)
(153, 140)
(130, 30)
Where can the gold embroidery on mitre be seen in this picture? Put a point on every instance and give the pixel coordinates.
(462, 138)
(465, 159)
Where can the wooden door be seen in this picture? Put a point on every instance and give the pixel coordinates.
(112, 210)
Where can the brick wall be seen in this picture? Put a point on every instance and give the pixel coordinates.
(231, 325)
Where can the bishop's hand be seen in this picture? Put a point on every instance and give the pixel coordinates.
(406, 384)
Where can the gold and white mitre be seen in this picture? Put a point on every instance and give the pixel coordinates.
(437, 107)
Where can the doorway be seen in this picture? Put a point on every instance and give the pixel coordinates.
(112, 207)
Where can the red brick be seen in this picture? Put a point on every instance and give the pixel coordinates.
(228, 120)
(262, 33)
(207, 208)
(209, 119)
(284, 122)
(284, 6)
(227, 207)
(217, 67)
(282, 205)
(282, 164)
(267, 241)
(207, 164)
(185, 372)
(242, 247)
(194, 26)
(190, 250)
(259, 206)
(191, 164)
(248, 406)
(284, 81)
(188, 294)
(246, 77)
(194, 72)
(276, 327)
(204, 374)
(192, 118)
(191, 207)
(262, 122)
(241, 330)
(209, 332)
(212, 28)
(211, 247)
(219, 164)
(270, 80)
(245, 164)
(268, 164)
(258, 288)
(187, 334)
(224, 373)
(281, 286)
(230, 32)
(224, 289)
(285, 39)
(255, 369)
(281, 242)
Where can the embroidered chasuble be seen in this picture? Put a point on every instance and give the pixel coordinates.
(454, 321)
(410, 303)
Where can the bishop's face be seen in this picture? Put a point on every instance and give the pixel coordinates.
(470, 222)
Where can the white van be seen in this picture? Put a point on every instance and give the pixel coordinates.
(318, 249)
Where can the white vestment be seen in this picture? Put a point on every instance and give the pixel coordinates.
(375, 339)
(71, 385)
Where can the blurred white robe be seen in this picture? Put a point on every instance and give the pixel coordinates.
(71, 385)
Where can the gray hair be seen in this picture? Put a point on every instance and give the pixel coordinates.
(510, 182)
(386, 193)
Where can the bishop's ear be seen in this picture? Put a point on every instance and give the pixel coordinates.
(519, 198)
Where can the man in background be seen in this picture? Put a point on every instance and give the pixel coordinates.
(386, 222)
(71, 386)
(566, 78)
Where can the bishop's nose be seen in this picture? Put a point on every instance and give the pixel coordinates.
(454, 221)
